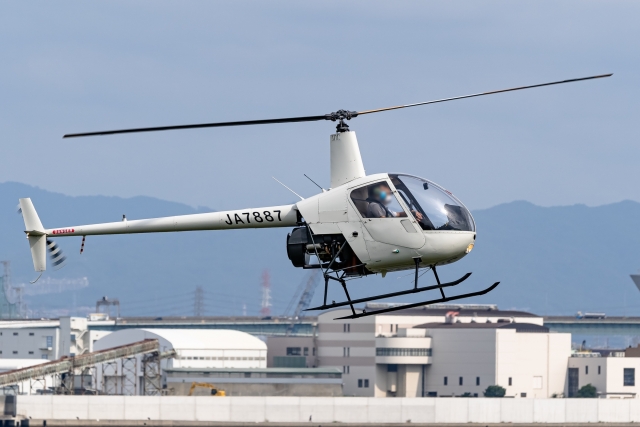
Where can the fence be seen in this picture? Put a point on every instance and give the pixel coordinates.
(329, 409)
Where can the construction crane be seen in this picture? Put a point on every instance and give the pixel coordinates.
(214, 390)
(306, 291)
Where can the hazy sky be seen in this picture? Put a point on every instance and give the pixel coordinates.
(83, 66)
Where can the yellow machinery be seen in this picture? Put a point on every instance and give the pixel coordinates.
(214, 389)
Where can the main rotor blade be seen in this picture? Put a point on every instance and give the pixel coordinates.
(483, 93)
(202, 125)
(338, 115)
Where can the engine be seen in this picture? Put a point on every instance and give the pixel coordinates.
(302, 244)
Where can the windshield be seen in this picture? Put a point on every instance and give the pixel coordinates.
(439, 208)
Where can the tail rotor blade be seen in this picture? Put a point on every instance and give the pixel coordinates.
(58, 259)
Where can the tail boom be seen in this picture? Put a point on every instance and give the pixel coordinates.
(269, 217)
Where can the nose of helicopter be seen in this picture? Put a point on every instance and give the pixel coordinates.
(446, 247)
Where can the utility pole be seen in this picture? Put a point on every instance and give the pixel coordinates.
(198, 302)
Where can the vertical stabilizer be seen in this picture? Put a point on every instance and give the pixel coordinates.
(346, 162)
(636, 280)
(30, 216)
(36, 235)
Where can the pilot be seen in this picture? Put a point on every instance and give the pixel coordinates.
(380, 196)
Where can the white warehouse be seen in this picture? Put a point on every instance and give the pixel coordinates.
(197, 348)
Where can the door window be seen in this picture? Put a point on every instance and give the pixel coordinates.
(377, 201)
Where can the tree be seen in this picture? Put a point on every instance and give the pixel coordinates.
(587, 391)
(494, 391)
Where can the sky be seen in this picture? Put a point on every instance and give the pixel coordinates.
(85, 66)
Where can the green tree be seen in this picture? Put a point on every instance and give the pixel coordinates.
(494, 391)
(587, 391)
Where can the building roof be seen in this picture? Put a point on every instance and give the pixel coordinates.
(479, 311)
(461, 312)
(281, 371)
(519, 327)
(192, 339)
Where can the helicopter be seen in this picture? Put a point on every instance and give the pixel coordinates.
(362, 225)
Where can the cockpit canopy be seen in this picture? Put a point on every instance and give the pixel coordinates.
(440, 209)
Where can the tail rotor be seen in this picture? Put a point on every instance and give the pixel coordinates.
(57, 257)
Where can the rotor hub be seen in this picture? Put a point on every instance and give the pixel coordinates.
(341, 116)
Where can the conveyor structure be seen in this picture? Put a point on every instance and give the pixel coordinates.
(85, 366)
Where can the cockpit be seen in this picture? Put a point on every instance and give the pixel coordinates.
(433, 207)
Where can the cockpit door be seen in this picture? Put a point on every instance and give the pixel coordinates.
(384, 217)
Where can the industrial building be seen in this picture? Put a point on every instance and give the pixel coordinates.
(442, 350)
(197, 348)
(448, 351)
(613, 374)
(46, 339)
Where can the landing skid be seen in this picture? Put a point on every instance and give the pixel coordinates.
(419, 304)
(415, 289)
(390, 295)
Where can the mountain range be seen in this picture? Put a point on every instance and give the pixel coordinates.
(549, 260)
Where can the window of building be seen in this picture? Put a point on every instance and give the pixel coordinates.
(31, 352)
(346, 351)
(537, 382)
(306, 351)
(15, 352)
(432, 394)
(15, 333)
(460, 381)
(477, 380)
(49, 341)
(598, 370)
(294, 351)
(446, 381)
(314, 351)
(510, 382)
(629, 376)
(359, 383)
(31, 334)
(366, 383)
(586, 370)
(44, 356)
(523, 394)
(346, 327)
(410, 352)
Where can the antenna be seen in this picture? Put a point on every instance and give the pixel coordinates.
(301, 198)
(323, 190)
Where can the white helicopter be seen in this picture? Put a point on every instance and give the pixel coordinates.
(363, 224)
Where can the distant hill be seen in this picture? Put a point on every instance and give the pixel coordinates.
(549, 260)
